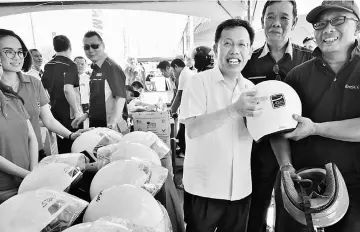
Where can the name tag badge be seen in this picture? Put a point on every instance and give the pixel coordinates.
(258, 77)
(99, 74)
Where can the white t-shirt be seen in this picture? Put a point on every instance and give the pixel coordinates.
(84, 88)
(34, 73)
(217, 164)
(185, 75)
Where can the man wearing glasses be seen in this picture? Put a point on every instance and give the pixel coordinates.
(107, 88)
(61, 80)
(328, 131)
(271, 62)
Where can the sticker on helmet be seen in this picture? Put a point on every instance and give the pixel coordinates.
(277, 100)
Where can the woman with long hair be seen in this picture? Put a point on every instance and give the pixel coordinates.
(18, 143)
(16, 58)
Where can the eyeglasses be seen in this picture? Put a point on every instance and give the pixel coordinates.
(93, 46)
(334, 21)
(230, 44)
(276, 70)
(9, 53)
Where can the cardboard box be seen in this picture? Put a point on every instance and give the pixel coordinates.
(156, 122)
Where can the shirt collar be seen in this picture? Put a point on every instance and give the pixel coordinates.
(355, 52)
(217, 76)
(288, 50)
(101, 61)
(23, 77)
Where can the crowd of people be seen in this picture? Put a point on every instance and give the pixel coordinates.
(228, 179)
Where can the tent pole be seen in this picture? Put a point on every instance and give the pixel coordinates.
(32, 29)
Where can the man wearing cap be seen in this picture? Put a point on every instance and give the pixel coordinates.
(328, 130)
(271, 62)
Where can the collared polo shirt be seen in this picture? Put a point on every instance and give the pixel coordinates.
(184, 77)
(261, 65)
(107, 82)
(327, 96)
(59, 72)
(33, 93)
(14, 138)
(217, 164)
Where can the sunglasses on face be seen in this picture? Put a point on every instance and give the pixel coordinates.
(11, 54)
(334, 22)
(93, 46)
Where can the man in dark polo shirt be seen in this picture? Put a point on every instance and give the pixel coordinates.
(61, 79)
(328, 131)
(270, 62)
(107, 88)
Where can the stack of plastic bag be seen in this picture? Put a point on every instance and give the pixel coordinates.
(131, 171)
(42, 210)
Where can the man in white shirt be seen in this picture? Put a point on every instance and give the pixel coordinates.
(217, 175)
(183, 74)
(84, 82)
(37, 59)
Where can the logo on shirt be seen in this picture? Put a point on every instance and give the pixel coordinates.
(277, 100)
(99, 74)
(352, 86)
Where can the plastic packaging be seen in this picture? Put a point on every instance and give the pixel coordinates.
(42, 210)
(148, 139)
(133, 171)
(128, 202)
(78, 160)
(126, 150)
(57, 176)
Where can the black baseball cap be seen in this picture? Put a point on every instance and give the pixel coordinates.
(131, 89)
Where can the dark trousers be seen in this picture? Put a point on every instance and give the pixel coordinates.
(206, 214)
(264, 168)
(181, 137)
(349, 223)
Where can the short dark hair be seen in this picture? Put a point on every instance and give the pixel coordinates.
(309, 38)
(270, 2)
(232, 23)
(28, 59)
(137, 84)
(163, 65)
(79, 57)
(34, 50)
(178, 62)
(61, 43)
(90, 34)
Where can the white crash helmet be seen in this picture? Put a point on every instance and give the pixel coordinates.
(148, 139)
(128, 202)
(328, 198)
(125, 150)
(40, 210)
(118, 173)
(106, 224)
(277, 110)
(91, 141)
(57, 176)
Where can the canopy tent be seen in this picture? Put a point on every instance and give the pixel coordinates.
(214, 9)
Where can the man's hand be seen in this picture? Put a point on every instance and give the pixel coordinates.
(305, 128)
(79, 132)
(292, 171)
(248, 104)
(78, 120)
